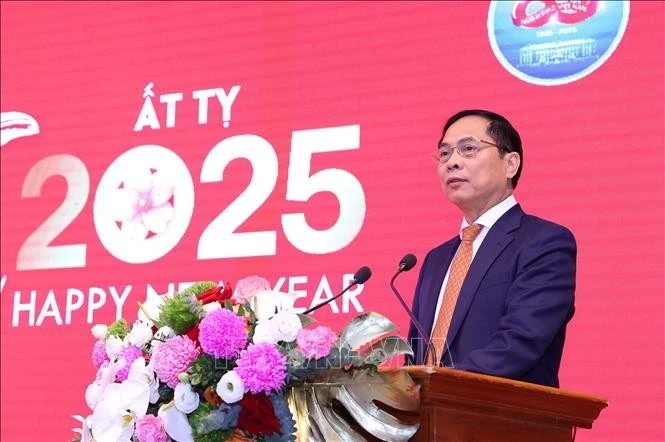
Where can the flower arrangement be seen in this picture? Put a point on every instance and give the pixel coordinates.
(207, 364)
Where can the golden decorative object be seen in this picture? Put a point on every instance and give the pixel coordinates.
(327, 407)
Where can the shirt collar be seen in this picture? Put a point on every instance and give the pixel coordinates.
(489, 218)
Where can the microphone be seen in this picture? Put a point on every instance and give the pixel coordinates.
(360, 277)
(406, 264)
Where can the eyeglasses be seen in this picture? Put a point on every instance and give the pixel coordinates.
(467, 147)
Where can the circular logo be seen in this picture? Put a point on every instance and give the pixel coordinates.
(555, 42)
(144, 204)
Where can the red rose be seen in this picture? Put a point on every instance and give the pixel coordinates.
(257, 415)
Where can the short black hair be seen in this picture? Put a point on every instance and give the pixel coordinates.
(499, 129)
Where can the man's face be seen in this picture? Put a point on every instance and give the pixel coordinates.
(476, 184)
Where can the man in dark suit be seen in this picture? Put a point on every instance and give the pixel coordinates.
(495, 299)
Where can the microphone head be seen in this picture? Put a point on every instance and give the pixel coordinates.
(362, 275)
(408, 262)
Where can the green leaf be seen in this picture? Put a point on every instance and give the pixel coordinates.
(306, 320)
(252, 315)
(195, 420)
(285, 347)
(207, 371)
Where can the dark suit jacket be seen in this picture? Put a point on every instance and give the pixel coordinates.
(518, 296)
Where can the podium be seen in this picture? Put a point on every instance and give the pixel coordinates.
(462, 406)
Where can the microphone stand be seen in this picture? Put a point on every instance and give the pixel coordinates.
(328, 301)
(414, 320)
(360, 277)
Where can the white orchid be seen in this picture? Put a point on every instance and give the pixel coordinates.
(230, 387)
(141, 371)
(116, 407)
(93, 393)
(175, 422)
(116, 413)
(105, 377)
(84, 431)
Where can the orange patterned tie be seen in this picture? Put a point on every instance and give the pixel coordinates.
(458, 271)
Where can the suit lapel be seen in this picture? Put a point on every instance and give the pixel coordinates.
(496, 240)
(440, 265)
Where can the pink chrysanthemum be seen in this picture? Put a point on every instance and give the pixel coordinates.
(222, 334)
(262, 368)
(175, 356)
(129, 354)
(316, 343)
(99, 355)
(248, 287)
(150, 428)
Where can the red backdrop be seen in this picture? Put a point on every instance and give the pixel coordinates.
(381, 78)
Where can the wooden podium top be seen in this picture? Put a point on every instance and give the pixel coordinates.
(462, 406)
(514, 399)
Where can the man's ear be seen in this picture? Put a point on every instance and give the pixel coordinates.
(512, 164)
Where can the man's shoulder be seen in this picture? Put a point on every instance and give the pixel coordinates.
(534, 224)
(445, 247)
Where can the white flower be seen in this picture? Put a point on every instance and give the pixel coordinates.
(99, 331)
(175, 423)
(142, 204)
(186, 399)
(113, 346)
(162, 335)
(165, 333)
(268, 302)
(154, 390)
(105, 377)
(140, 335)
(230, 387)
(285, 326)
(150, 308)
(145, 373)
(121, 405)
(84, 431)
(263, 333)
(211, 306)
(92, 394)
